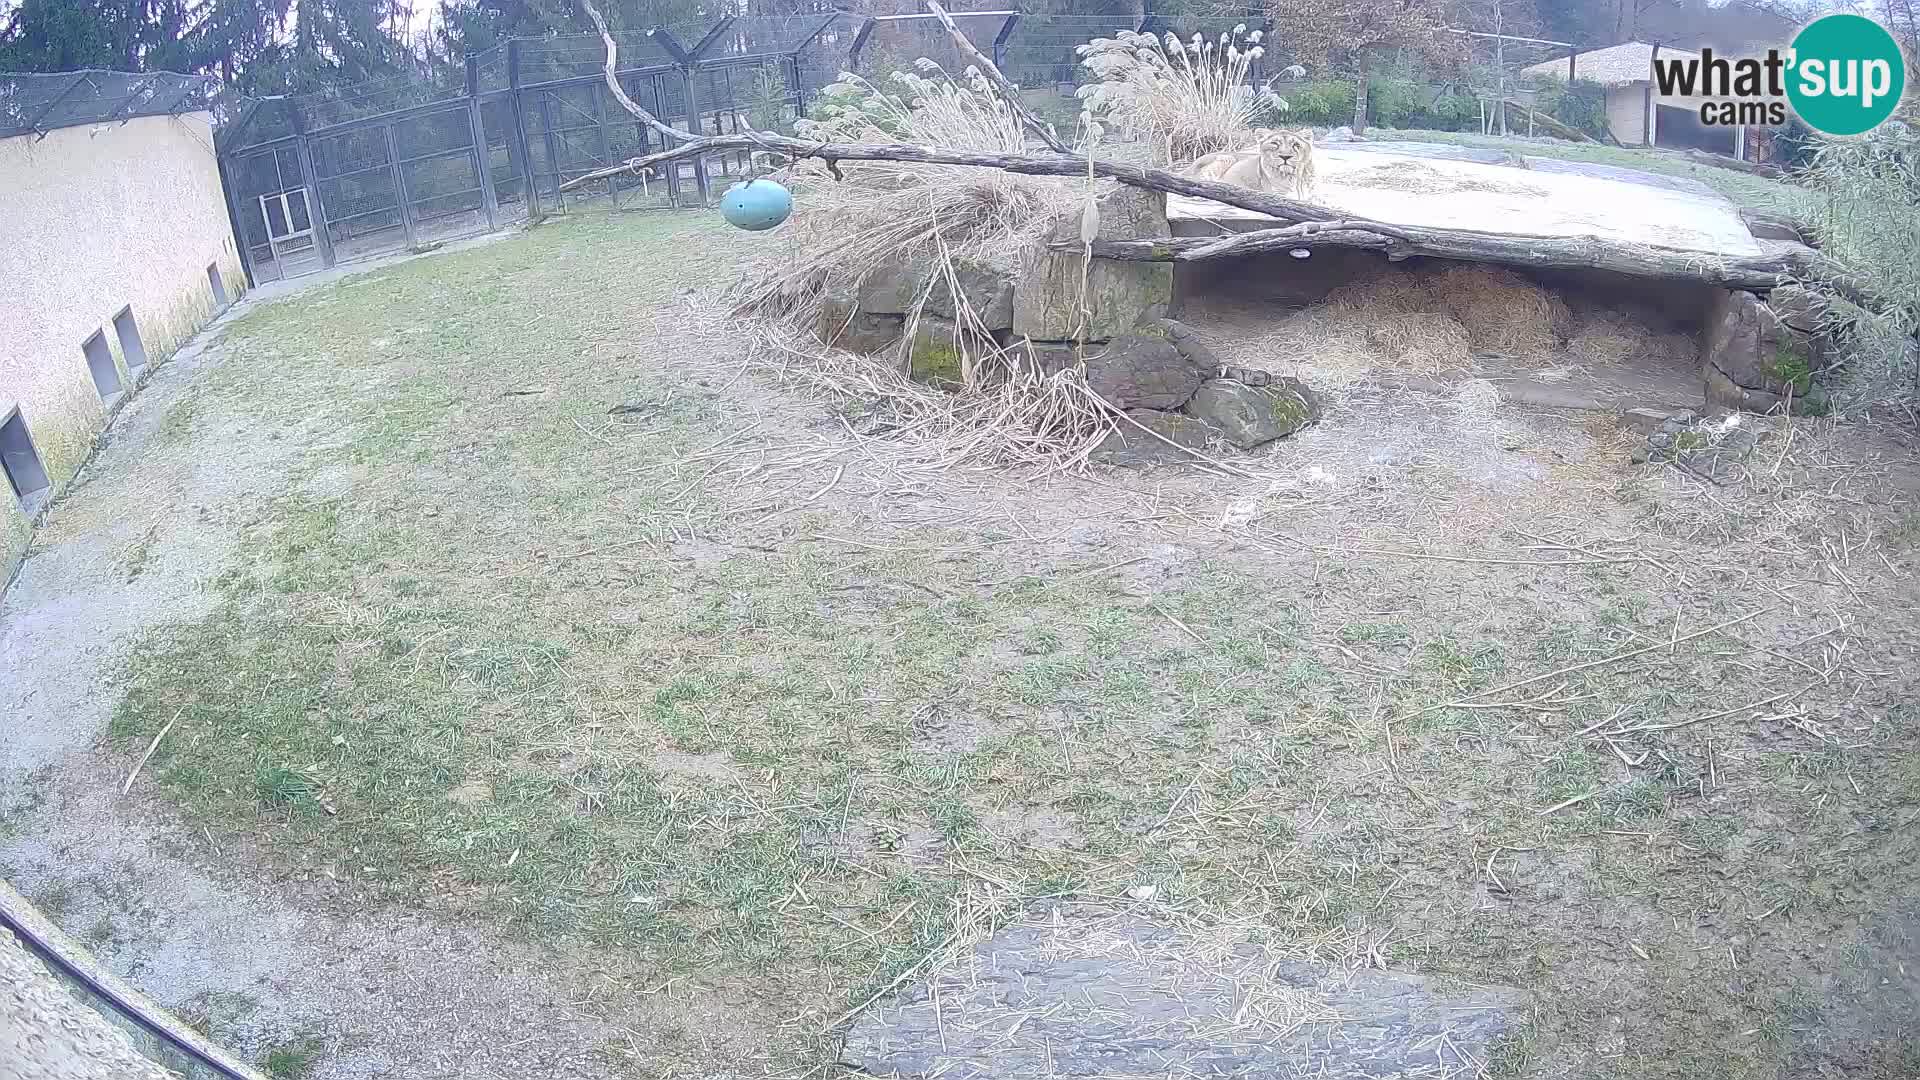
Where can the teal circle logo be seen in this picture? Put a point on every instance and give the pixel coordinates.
(1845, 74)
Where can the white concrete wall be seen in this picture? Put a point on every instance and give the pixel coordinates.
(94, 219)
(1626, 113)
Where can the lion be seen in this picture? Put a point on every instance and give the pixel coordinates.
(1279, 162)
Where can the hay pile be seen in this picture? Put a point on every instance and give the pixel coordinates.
(1437, 319)
(1608, 337)
(1425, 321)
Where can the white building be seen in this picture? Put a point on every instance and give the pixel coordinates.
(115, 247)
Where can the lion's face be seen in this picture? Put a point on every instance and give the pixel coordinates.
(1285, 151)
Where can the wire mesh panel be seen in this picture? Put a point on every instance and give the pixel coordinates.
(359, 192)
(821, 60)
(546, 60)
(898, 43)
(274, 207)
(1043, 51)
(361, 101)
(440, 174)
(42, 103)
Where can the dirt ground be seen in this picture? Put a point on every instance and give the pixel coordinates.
(548, 692)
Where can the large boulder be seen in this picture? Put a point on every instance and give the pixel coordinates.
(1754, 357)
(1138, 371)
(843, 324)
(1189, 345)
(934, 357)
(1248, 416)
(892, 290)
(1168, 438)
(1120, 295)
(986, 289)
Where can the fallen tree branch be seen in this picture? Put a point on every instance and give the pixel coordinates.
(1312, 226)
(1008, 92)
(1759, 272)
(613, 83)
(1277, 206)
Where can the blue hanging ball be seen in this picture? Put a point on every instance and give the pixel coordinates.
(756, 205)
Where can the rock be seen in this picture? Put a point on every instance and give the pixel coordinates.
(989, 291)
(1132, 447)
(1093, 993)
(934, 356)
(863, 333)
(1141, 372)
(1755, 356)
(1248, 416)
(1051, 357)
(844, 324)
(1644, 421)
(1723, 392)
(891, 290)
(1120, 295)
(1184, 339)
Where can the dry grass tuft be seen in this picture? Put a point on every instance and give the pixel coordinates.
(1184, 98)
(881, 215)
(878, 214)
(1024, 419)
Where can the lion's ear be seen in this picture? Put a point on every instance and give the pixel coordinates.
(1261, 133)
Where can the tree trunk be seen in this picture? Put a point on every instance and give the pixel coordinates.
(1360, 102)
(1758, 273)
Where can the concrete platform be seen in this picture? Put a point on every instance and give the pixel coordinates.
(1414, 184)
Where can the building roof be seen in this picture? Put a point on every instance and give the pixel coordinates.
(37, 104)
(1615, 65)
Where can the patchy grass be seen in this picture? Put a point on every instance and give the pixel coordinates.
(664, 690)
(293, 1058)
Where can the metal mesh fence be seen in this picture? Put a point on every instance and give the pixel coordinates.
(405, 161)
(32, 104)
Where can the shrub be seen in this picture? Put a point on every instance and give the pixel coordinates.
(1581, 105)
(1326, 103)
(1404, 103)
(1186, 98)
(1867, 215)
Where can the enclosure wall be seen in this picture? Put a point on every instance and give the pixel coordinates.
(98, 219)
(1627, 113)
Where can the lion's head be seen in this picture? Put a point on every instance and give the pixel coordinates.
(1285, 151)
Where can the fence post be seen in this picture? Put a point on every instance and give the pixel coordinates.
(316, 205)
(694, 125)
(482, 157)
(553, 148)
(1000, 41)
(233, 217)
(400, 187)
(517, 133)
(600, 94)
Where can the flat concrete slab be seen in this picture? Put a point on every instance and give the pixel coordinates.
(1387, 183)
(1112, 994)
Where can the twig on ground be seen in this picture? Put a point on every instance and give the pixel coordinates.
(1614, 659)
(151, 747)
(1184, 628)
(1569, 802)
